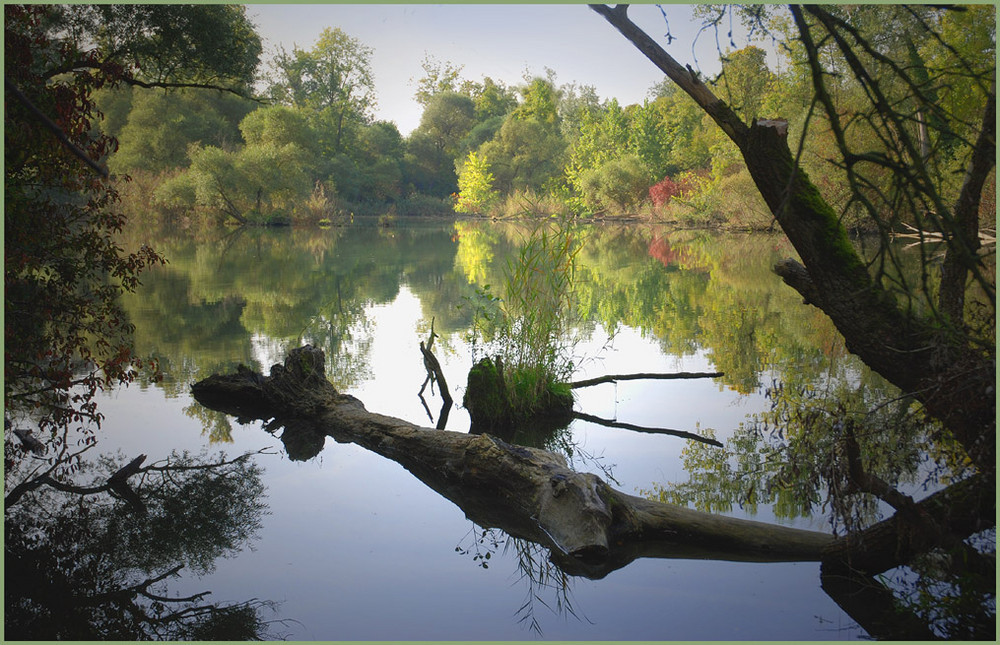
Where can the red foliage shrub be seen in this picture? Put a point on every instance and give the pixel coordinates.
(661, 192)
(686, 183)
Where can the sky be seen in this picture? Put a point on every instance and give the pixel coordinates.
(503, 41)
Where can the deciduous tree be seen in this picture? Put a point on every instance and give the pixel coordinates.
(65, 334)
(334, 78)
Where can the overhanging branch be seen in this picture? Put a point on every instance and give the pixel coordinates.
(56, 131)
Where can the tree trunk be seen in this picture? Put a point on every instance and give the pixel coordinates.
(590, 527)
(954, 381)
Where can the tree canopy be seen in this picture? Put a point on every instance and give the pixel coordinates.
(66, 336)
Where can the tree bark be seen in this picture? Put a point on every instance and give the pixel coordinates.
(962, 509)
(953, 380)
(590, 527)
(964, 247)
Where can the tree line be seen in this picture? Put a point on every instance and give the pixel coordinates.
(312, 150)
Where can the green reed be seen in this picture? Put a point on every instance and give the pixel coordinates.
(529, 332)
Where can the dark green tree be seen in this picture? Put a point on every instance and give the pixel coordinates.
(447, 120)
(525, 154)
(65, 335)
(162, 124)
(91, 560)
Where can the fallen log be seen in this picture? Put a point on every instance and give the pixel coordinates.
(527, 492)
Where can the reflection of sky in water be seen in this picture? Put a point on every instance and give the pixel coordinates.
(357, 548)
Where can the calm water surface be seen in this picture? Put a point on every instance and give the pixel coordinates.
(354, 547)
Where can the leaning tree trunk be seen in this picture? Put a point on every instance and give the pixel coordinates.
(953, 380)
(591, 528)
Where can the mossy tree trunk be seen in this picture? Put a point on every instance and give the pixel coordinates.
(954, 380)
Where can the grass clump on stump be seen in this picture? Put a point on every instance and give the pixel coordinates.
(524, 376)
(499, 399)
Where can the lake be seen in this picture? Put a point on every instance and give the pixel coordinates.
(354, 547)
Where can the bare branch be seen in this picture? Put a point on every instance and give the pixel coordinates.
(685, 77)
(612, 378)
(629, 426)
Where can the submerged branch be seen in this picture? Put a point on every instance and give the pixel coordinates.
(628, 426)
(614, 378)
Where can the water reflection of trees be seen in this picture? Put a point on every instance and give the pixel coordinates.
(230, 299)
(831, 422)
(691, 291)
(545, 583)
(91, 545)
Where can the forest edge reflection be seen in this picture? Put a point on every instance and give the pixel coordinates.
(690, 291)
(592, 530)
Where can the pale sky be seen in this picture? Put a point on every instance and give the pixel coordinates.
(501, 41)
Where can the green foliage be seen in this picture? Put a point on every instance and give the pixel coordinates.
(539, 102)
(447, 120)
(524, 154)
(617, 186)
(179, 191)
(428, 168)
(475, 185)
(200, 312)
(492, 98)
(482, 132)
(161, 125)
(205, 44)
(602, 136)
(688, 132)
(333, 79)
(746, 81)
(575, 104)
(115, 103)
(795, 457)
(527, 331)
(254, 184)
(438, 77)
(277, 125)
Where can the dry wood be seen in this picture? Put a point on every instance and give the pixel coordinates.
(531, 493)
